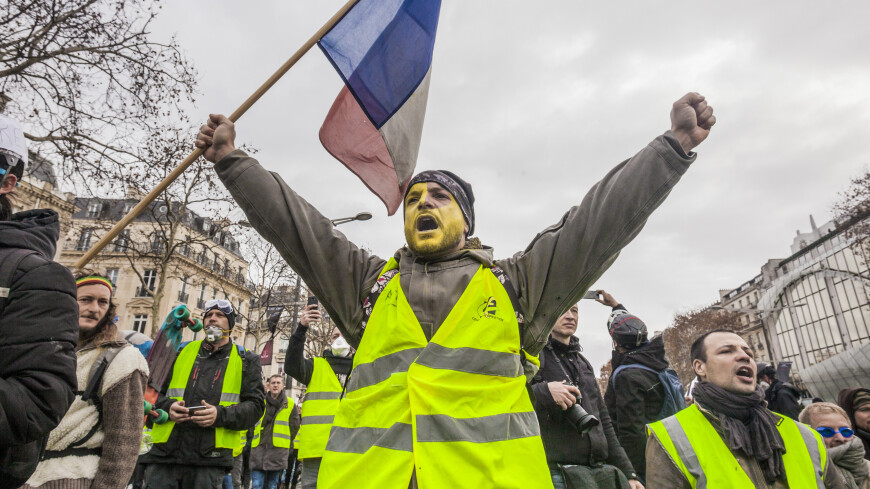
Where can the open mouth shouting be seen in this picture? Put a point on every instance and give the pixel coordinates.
(426, 223)
(745, 374)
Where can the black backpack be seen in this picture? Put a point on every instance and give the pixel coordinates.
(674, 400)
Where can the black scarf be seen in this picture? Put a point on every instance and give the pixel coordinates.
(748, 426)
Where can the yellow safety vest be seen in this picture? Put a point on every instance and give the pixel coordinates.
(281, 435)
(318, 410)
(699, 452)
(453, 410)
(230, 395)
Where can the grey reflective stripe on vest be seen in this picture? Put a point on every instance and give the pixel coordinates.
(360, 440)
(322, 396)
(281, 435)
(368, 374)
(175, 393)
(813, 447)
(282, 423)
(318, 420)
(685, 451)
(500, 427)
(227, 397)
(471, 360)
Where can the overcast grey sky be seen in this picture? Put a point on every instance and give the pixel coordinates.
(533, 102)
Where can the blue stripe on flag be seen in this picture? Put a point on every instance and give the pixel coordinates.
(383, 49)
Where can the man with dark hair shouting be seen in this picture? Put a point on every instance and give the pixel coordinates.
(728, 437)
(437, 394)
(97, 442)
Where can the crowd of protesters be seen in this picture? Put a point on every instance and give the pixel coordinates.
(448, 368)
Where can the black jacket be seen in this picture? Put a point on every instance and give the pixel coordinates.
(562, 443)
(301, 368)
(190, 444)
(634, 398)
(783, 399)
(38, 335)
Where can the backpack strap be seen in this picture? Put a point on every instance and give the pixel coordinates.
(7, 270)
(94, 386)
(377, 288)
(633, 365)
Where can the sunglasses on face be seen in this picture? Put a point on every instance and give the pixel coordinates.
(829, 432)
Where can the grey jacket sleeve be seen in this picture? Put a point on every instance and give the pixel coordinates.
(565, 259)
(338, 272)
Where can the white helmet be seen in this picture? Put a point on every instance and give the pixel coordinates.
(13, 147)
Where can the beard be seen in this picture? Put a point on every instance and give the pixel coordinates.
(87, 335)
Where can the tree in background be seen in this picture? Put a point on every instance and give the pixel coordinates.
(89, 82)
(851, 212)
(604, 376)
(686, 327)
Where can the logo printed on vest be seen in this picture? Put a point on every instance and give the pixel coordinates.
(488, 309)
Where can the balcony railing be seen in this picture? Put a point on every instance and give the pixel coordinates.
(182, 297)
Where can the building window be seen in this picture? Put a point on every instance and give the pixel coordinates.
(139, 322)
(122, 241)
(94, 210)
(149, 278)
(158, 244)
(128, 207)
(112, 275)
(200, 303)
(182, 294)
(283, 344)
(84, 242)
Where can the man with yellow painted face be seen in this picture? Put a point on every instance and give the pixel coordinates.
(437, 394)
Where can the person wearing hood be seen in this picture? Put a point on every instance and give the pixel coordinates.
(844, 448)
(634, 395)
(592, 457)
(38, 322)
(782, 397)
(273, 436)
(856, 402)
(728, 437)
(324, 378)
(444, 332)
(213, 395)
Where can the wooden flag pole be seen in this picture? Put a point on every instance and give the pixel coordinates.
(247, 104)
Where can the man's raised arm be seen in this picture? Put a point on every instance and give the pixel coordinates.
(564, 260)
(336, 270)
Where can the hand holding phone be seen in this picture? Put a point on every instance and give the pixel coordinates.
(193, 409)
(592, 294)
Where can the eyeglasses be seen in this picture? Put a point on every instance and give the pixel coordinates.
(829, 432)
(222, 305)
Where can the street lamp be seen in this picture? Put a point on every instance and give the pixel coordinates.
(362, 216)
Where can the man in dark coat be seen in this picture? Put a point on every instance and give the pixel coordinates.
(634, 397)
(564, 375)
(781, 397)
(190, 457)
(38, 324)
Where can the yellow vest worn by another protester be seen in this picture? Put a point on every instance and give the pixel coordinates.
(281, 435)
(230, 395)
(318, 410)
(702, 456)
(454, 410)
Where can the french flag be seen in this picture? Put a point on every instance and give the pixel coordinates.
(383, 51)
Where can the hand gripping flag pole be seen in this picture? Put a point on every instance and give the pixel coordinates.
(145, 202)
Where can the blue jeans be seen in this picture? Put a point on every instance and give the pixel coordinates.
(558, 478)
(265, 479)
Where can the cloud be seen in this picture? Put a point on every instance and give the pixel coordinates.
(534, 102)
